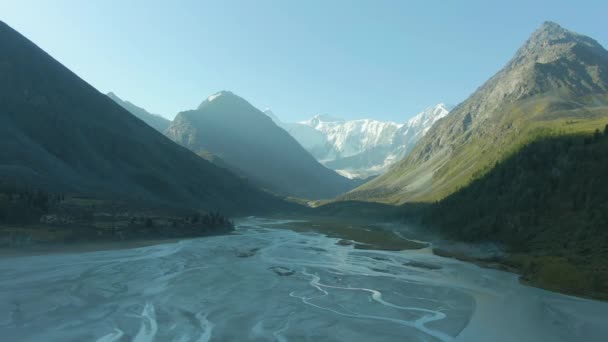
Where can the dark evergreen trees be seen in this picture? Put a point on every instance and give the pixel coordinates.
(549, 202)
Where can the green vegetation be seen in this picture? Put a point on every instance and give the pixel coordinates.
(473, 155)
(522, 161)
(548, 204)
(520, 124)
(361, 234)
(556, 84)
(31, 217)
(25, 206)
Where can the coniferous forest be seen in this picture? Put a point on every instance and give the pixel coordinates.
(548, 204)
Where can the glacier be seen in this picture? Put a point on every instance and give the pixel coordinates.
(364, 147)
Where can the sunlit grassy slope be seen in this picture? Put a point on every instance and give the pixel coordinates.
(472, 156)
(556, 84)
(548, 204)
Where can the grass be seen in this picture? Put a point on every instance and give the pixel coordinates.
(560, 274)
(549, 272)
(469, 157)
(364, 235)
(521, 124)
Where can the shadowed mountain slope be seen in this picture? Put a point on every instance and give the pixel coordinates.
(154, 120)
(249, 142)
(59, 133)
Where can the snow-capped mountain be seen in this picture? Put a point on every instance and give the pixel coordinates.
(349, 138)
(312, 140)
(360, 148)
(416, 127)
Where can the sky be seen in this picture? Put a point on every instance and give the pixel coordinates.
(381, 59)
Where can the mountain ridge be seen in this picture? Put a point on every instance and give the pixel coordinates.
(229, 127)
(555, 78)
(361, 148)
(57, 132)
(156, 121)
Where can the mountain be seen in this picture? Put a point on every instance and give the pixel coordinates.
(154, 120)
(59, 133)
(349, 138)
(415, 128)
(253, 146)
(311, 139)
(361, 148)
(557, 83)
(548, 204)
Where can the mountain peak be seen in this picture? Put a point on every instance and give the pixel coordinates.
(223, 93)
(551, 42)
(326, 117)
(428, 116)
(551, 27)
(551, 77)
(319, 118)
(550, 33)
(443, 106)
(223, 97)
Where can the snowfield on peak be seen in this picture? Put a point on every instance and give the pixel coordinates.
(364, 147)
(214, 96)
(349, 138)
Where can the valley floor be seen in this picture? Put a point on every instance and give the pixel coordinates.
(71, 248)
(278, 284)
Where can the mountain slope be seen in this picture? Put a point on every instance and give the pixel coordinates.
(548, 204)
(556, 83)
(229, 127)
(360, 148)
(154, 120)
(57, 132)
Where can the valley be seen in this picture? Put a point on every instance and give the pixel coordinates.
(287, 286)
(483, 221)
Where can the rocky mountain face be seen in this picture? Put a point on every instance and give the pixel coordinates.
(59, 133)
(556, 83)
(252, 145)
(155, 121)
(361, 148)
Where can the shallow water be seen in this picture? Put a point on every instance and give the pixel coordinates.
(270, 284)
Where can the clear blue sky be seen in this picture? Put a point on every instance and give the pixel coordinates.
(351, 59)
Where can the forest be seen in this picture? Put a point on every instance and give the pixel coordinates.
(548, 204)
(34, 216)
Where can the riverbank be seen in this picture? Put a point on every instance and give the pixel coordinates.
(63, 248)
(43, 240)
(361, 234)
(549, 272)
(292, 286)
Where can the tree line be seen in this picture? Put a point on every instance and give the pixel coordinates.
(548, 200)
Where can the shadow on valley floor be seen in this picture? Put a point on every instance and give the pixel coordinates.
(35, 219)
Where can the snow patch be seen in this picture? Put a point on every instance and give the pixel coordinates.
(215, 96)
(329, 139)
